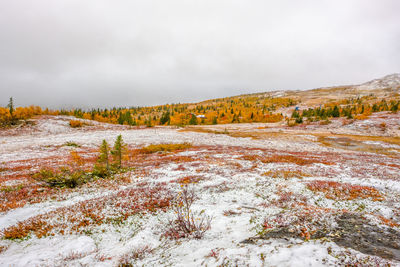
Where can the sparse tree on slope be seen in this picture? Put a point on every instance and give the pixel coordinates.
(11, 106)
(193, 120)
(166, 117)
(104, 153)
(118, 151)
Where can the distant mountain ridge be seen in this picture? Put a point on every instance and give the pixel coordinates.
(389, 81)
(382, 88)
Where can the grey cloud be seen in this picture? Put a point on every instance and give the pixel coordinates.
(125, 53)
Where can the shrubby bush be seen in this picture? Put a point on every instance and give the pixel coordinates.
(165, 148)
(75, 123)
(64, 177)
(74, 175)
(187, 223)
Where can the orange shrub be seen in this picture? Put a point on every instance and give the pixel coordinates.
(189, 180)
(250, 157)
(75, 123)
(296, 159)
(388, 222)
(361, 117)
(345, 191)
(165, 148)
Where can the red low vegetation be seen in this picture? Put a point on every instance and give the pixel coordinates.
(296, 159)
(189, 179)
(81, 216)
(344, 191)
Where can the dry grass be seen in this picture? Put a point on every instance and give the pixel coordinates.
(245, 133)
(74, 255)
(136, 254)
(180, 159)
(2, 249)
(361, 117)
(165, 148)
(394, 140)
(200, 129)
(356, 143)
(293, 159)
(286, 174)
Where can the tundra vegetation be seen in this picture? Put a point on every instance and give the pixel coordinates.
(100, 187)
(74, 174)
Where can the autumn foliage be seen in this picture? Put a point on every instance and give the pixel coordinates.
(345, 191)
(81, 217)
(296, 159)
(20, 113)
(245, 108)
(75, 123)
(164, 148)
(358, 109)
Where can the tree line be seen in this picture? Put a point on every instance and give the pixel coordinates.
(358, 110)
(218, 111)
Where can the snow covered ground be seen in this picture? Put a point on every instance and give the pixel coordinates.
(252, 187)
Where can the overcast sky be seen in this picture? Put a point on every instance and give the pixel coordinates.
(98, 53)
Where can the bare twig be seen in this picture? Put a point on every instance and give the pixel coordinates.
(186, 222)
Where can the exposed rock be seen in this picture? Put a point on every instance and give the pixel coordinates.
(353, 231)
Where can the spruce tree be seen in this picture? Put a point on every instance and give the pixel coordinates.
(104, 153)
(11, 106)
(128, 118)
(193, 120)
(165, 118)
(335, 112)
(121, 118)
(148, 122)
(295, 114)
(118, 151)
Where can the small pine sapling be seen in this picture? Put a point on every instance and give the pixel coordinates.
(102, 167)
(104, 153)
(193, 120)
(11, 106)
(118, 151)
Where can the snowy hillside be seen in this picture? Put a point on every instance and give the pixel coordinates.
(274, 196)
(390, 81)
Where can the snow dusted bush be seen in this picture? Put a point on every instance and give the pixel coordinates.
(187, 223)
(84, 216)
(75, 174)
(165, 148)
(63, 178)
